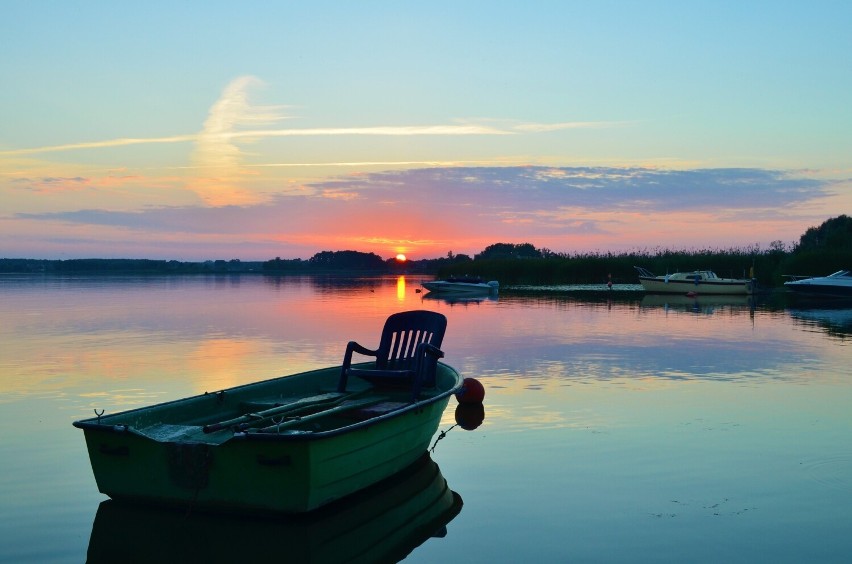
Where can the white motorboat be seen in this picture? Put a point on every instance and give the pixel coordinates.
(463, 286)
(838, 284)
(695, 282)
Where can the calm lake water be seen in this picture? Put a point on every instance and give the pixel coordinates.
(627, 429)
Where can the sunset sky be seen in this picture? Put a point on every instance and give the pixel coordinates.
(250, 130)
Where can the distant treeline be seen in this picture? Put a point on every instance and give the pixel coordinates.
(324, 262)
(820, 251)
(351, 261)
(125, 266)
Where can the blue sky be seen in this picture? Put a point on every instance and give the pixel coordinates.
(197, 130)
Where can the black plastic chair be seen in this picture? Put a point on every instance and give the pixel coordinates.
(407, 356)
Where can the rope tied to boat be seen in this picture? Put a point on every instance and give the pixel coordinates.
(469, 415)
(441, 436)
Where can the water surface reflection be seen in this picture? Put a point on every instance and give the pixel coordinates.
(834, 319)
(619, 428)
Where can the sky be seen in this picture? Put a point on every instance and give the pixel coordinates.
(201, 130)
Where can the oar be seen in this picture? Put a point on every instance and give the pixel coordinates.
(323, 413)
(314, 401)
(289, 414)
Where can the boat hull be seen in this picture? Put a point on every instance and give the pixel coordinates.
(461, 288)
(161, 454)
(819, 290)
(659, 285)
(838, 285)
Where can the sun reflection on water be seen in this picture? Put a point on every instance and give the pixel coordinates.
(400, 288)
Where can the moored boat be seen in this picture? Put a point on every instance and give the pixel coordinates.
(463, 286)
(838, 284)
(697, 282)
(290, 444)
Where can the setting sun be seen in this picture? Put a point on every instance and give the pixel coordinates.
(401, 257)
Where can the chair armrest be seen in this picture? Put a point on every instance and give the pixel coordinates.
(427, 348)
(351, 347)
(425, 368)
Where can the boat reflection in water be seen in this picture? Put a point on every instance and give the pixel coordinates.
(707, 303)
(833, 318)
(383, 523)
(459, 299)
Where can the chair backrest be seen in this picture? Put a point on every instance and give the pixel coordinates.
(403, 332)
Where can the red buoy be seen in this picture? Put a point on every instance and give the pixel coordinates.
(472, 391)
(469, 416)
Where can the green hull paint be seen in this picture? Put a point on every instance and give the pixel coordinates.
(161, 454)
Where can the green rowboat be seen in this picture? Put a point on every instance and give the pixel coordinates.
(290, 444)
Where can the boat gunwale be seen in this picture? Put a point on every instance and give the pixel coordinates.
(818, 280)
(95, 423)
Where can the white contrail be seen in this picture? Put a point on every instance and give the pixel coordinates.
(545, 127)
(208, 136)
(99, 144)
(388, 131)
(214, 143)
